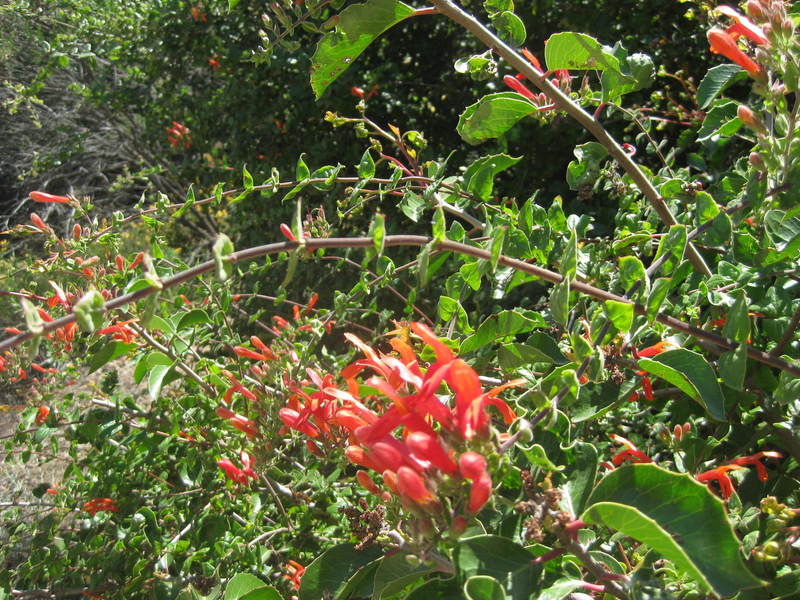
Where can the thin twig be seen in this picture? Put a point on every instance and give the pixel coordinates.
(312, 244)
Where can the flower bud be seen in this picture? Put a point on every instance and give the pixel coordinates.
(756, 161)
(755, 11)
(411, 485)
(750, 119)
(366, 482)
(472, 465)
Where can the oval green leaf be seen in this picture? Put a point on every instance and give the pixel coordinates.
(492, 116)
(691, 373)
(357, 27)
(677, 517)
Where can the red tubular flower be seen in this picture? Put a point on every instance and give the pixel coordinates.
(519, 87)
(96, 505)
(425, 446)
(754, 460)
(722, 43)
(236, 474)
(479, 493)
(38, 223)
(442, 351)
(295, 572)
(357, 92)
(647, 387)
(653, 350)
(630, 452)
(367, 483)
(358, 456)
(42, 197)
(531, 59)
(472, 465)
(238, 421)
(743, 26)
(287, 232)
(42, 414)
(411, 485)
(720, 475)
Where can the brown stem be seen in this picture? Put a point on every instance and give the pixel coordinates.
(565, 103)
(443, 246)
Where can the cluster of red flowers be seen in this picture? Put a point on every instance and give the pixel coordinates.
(724, 41)
(179, 135)
(439, 444)
(562, 79)
(294, 572)
(121, 331)
(96, 505)
(42, 414)
(236, 474)
(630, 453)
(720, 474)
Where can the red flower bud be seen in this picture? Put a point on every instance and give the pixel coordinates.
(42, 197)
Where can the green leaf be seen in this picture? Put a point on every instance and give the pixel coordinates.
(737, 323)
(733, 367)
(509, 27)
(366, 167)
(89, 311)
(194, 317)
(570, 50)
(580, 475)
(504, 324)
(492, 116)
(560, 589)
(438, 589)
(328, 574)
(377, 231)
(500, 558)
(450, 308)
(715, 82)
(632, 272)
(559, 302)
(620, 314)
(240, 584)
(585, 170)
(691, 373)
(721, 120)
(394, 574)
(537, 457)
(263, 593)
(247, 179)
(658, 294)
(438, 225)
(677, 517)
(569, 259)
(107, 353)
(158, 377)
(479, 176)
(301, 170)
(674, 244)
(223, 248)
(186, 203)
(33, 320)
(412, 205)
(357, 26)
(496, 246)
(483, 587)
